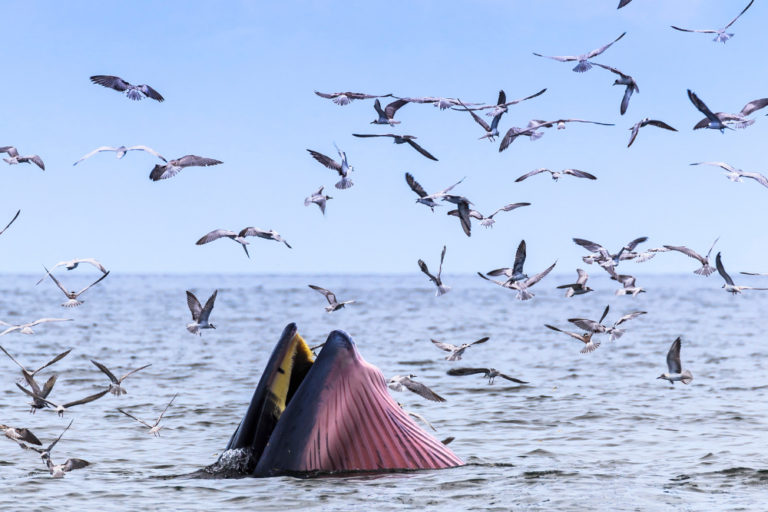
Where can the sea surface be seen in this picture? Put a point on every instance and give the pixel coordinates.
(590, 432)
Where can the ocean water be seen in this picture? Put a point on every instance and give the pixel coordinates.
(590, 432)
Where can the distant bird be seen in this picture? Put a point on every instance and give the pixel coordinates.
(266, 235)
(598, 327)
(345, 98)
(584, 64)
(200, 314)
(456, 351)
(488, 373)
(532, 130)
(73, 264)
(642, 257)
(133, 92)
(586, 338)
(12, 221)
(721, 37)
(729, 286)
(557, 175)
(705, 269)
(417, 416)
(442, 103)
(114, 387)
(516, 272)
(424, 198)
(72, 296)
(488, 222)
(491, 131)
(623, 80)
(623, 3)
(441, 288)
(402, 139)
(739, 120)
(20, 435)
(735, 175)
(405, 382)
(462, 212)
(387, 116)
(155, 428)
(579, 287)
(645, 122)
(27, 328)
(240, 237)
(334, 304)
(522, 286)
(753, 274)
(502, 104)
(16, 159)
(317, 198)
(61, 409)
(38, 395)
(714, 122)
(676, 373)
(342, 168)
(174, 167)
(121, 151)
(606, 259)
(627, 282)
(32, 373)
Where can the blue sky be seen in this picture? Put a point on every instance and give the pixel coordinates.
(238, 78)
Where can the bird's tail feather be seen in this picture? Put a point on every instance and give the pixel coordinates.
(616, 334)
(583, 67)
(524, 294)
(442, 290)
(194, 329)
(687, 377)
(590, 347)
(344, 184)
(705, 271)
(536, 135)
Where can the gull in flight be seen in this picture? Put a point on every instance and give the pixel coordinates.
(16, 159)
(200, 314)
(705, 269)
(441, 288)
(598, 327)
(240, 237)
(424, 198)
(522, 286)
(27, 328)
(134, 92)
(32, 373)
(334, 304)
(735, 175)
(443, 103)
(531, 131)
(72, 265)
(721, 36)
(676, 373)
(488, 373)
(642, 257)
(606, 259)
(586, 338)
(645, 122)
(342, 168)
(502, 104)
(60, 409)
(402, 139)
(417, 416)
(155, 428)
(491, 131)
(174, 167)
(12, 221)
(38, 395)
(714, 122)
(583, 59)
(557, 175)
(463, 211)
(739, 120)
(387, 116)
(72, 296)
(317, 198)
(627, 283)
(402, 382)
(488, 222)
(58, 470)
(456, 352)
(121, 151)
(114, 386)
(579, 287)
(345, 98)
(729, 286)
(516, 272)
(22, 436)
(623, 79)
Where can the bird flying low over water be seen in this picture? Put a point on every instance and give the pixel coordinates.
(583, 59)
(753, 274)
(586, 338)
(424, 198)
(121, 151)
(32, 373)
(12, 221)
(456, 351)
(579, 287)
(38, 394)
(598, 327)
(705, 269)
(501, 106)
(488, 222)
(27, 328)
(623, 3)
(345, 98)
(713, 121)
(729, 286)
(516, 272)
(402, 139)
(626, 80)
(200, 314)
(61, 409)
(646, 122)
(735, 175)
(72, 296)
(531, 131)
(174, 167)
(22, 436)
(405, 382)
(114, 386)
(317, 198)
(642, 257)
(522, 286)
(721, 36)
(73, 264)
(739, 120)
(441, 288)
(155, 428)
(387, 116)
(16, 159)
(342, 168)
(334, 305)
(58, 470)
(557, 175)
(488, 373)
(133, 92)
(605, 258)
(491, 131)
(463, 212)
(676, 373)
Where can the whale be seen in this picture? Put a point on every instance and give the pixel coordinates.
(330, 414)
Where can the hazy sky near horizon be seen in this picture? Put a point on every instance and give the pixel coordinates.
(238, 78)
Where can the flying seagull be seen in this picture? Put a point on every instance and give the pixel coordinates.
(676, 372)
(583, 64)
(133, 92)
(417, 416)
(442, 103)
(334, 304)
(522, 286)
(705, 269)
(463, 211)
(46, 452)
(586, 338)
(714, 122)
(402, 382)
(557, 175)
(516, 272)
(579, 287)
(721, 36)
(121, 152)
(58, 470)
(38, 395)
(12, 221)
(27, 328)
(402, 139)
(488, 222)
(488, 373)
(342, 168)
(61, 409)
(627, 282)
(534, 125)
(32, 373)
(729, 286)
(491, 131)
(16, 159)
(317, 198)
(424, 198)
(114, 387)
(240, 237)
(623, 79)
(73, 264)
(155, 428)
(606, 259)
(739, 120)
(345, 98)
(20, 435)
(174, 167)
(441, 288)
(502, 104)
(645, 122)
(200, 314)
(387, 116)
(456, 351)
(266, 235)
(598, 327)
(735, 175)
(72, 296)
(642, 257)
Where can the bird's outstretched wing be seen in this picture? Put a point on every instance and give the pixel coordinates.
(112, 82)
(148, 150)
(166, 408)
(721, 270)
(512, 379)
(73, 464)
(422, 390)
(688, 252)
(206, 312)
(196, 161)
(135, 418)
(578, 174)
(532, 173)
(444, 346)
(595, 53)
(106, 371)
(102, 148)
(327, 161)
(57, 282)
(328, 295)
(415, 185)
(460, 372)
(85, 400)
(421, 150)
(571, 334)
(12, 221)
(151, 93)
(538, 277)
(215, 235)
(194, 306)
(132, 372)
(739, 16)
(92, 284)
(425, 269)
(673, 357)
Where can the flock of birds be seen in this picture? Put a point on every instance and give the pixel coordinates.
(514, 278)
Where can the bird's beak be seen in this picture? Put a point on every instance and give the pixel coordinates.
(213, 326)
(657, 378)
